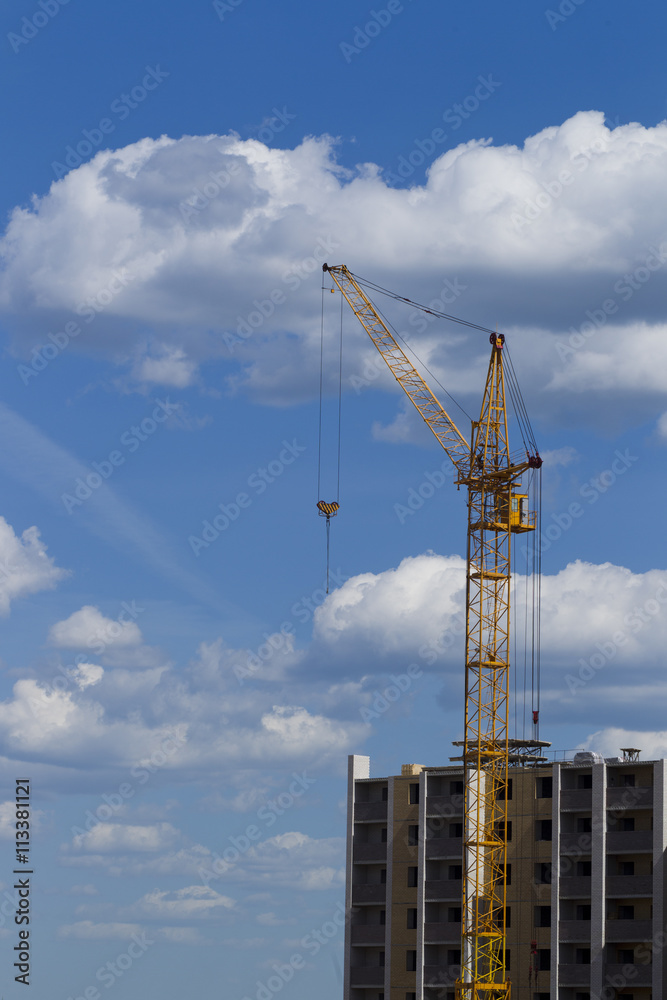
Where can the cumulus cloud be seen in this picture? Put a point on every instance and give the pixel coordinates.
(559, 456)
(25, 567)
(112, 837)
(291, 859)
(119, 243)
(166, 365)
(394, 612)
(597, 620)
(88, 628)
(190, 903)
(653, 745)
(87, 930)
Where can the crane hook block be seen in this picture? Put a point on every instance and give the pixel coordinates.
(328, 509)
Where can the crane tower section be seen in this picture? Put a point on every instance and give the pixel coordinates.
(497, 510)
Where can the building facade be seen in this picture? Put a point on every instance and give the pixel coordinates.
(585, 881)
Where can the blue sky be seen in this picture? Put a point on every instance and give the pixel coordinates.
(174, 177)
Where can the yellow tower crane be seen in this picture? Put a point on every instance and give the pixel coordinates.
(496, 511)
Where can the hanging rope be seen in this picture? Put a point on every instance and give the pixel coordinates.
(329, 509)
(319, 437)
(340, 393)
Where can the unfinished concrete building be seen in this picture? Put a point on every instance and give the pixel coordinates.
(585, 881)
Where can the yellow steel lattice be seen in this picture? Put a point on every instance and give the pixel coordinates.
(485, 467)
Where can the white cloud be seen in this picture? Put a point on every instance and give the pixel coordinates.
(112, 837)
(166, 365)
(182, 935)
(84, 890)
(89, 629)
(25, 567)
(155, 723)
(291, 859)
(271, 920)
(87, 675)
(190, 903)
(394, 612)
(653, 745)
(86, 930)
(492, 220)
(559, 456)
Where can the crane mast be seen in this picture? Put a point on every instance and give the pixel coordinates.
(496, 510)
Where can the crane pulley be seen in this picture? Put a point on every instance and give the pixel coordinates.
(497, 509)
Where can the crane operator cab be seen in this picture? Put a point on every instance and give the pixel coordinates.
(521, 518)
